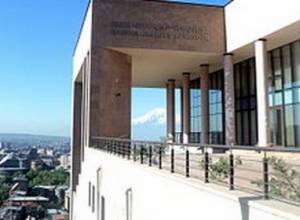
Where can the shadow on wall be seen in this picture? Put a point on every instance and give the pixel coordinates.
(244, 204)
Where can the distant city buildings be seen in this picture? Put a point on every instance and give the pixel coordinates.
(26, 198)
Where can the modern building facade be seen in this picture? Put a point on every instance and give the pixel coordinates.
(237, 67)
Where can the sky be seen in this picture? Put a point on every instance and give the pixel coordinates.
(37, 39)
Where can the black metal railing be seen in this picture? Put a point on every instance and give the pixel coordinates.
(272, 172)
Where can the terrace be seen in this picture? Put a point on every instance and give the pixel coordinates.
(266, 172)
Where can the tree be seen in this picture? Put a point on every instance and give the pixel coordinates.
(284, 180)
(44, 177)
(4, 189)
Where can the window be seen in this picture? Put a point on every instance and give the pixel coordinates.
(245, 102)
(195, 112)
(216, 108)
(296, 63)
(284, 93)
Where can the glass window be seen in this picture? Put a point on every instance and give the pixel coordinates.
(245, 102)
(287, 70)
(276, 69)
(296, 62)
(239, 128)
(252, 77)
(195, 119)
(216, 104)
(270, 73)
(297, 95)
(237, 81)
(246, 128)
(253, 128)
(278, 98)
(289, 125)
(288, 96)
(244, 78)
(271, 101)
(284, 97)
(297, 124)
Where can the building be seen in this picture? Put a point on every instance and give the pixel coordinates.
(65, 161)
(237, 67)
(11, 164)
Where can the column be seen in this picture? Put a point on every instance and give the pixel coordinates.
(204, 86)
(186, 107)
(110, 94)
(76, 133)
(170, 110)
(262, 92)
(229, 99)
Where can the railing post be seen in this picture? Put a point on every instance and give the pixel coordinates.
(206, 167)
(134, 152)
(266, 176)
(172, 160)
(187, 163)
(231, 171)
(119, 148)
(150, 156)
(99, 144)
(124, 146)
(114, 147)
(129, 150)
(160, 158)
(110, 144)
(142, 154)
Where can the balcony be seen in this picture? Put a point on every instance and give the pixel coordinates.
(266, 172)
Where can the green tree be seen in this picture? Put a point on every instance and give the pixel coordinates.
(44, 177)
(4, 189)
(284, 180)
(219, 170)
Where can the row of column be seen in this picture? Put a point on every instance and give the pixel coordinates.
(262, 100)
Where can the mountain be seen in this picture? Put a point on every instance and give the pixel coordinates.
(31, 139)
(151, 125)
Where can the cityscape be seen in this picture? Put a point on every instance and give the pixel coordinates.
(34, 176)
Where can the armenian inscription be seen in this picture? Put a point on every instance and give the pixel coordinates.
(159, 30)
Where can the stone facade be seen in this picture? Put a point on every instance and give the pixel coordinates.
(157, 25)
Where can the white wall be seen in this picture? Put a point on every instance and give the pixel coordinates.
(249, 20)
(84, 42)
(159, 195)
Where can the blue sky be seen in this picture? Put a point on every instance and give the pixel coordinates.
(36, 45)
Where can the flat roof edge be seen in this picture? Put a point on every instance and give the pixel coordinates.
(81, 27)
(186, 3)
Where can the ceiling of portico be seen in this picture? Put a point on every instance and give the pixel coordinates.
(153, 68)
(276, 39)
